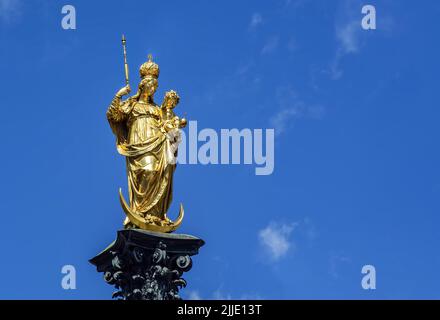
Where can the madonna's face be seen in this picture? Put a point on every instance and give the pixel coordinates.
(150, 87)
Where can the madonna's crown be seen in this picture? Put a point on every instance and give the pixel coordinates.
(149, 69)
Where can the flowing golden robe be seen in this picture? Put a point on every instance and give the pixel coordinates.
(148, 151)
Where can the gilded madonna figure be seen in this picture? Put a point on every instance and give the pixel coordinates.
(147, 135)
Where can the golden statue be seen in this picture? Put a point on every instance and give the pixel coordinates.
(147, 135)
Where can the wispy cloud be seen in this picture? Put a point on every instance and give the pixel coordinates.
(9, 10)
(256, 20)
(275, 239)
(337, 260)
(251, 296)
(244, 68)
(291, 107)
(271, 45)
(347, 34)
(282, 120)
(194, 295)
(348, 38)
(220, 295)
(295, 3)
(309, 229)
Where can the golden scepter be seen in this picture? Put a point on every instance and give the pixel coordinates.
(125, 59)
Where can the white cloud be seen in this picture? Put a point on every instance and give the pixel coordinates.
(281, 120)
(348, 36)
(291, 108)
(194, 295)
(218, 295)
(337, 260)
(9, 10)
(309, 229)
(256, 20)
(244, 68)
(270, 46)
(275, 239)
(348, 33)
(295, 3)
(251, 296)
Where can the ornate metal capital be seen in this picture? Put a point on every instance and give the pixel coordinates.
(146, 265)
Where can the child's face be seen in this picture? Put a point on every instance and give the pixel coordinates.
(171, 103)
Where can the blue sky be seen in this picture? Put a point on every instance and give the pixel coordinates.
(356, 114)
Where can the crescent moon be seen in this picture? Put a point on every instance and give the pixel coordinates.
(143, 224)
